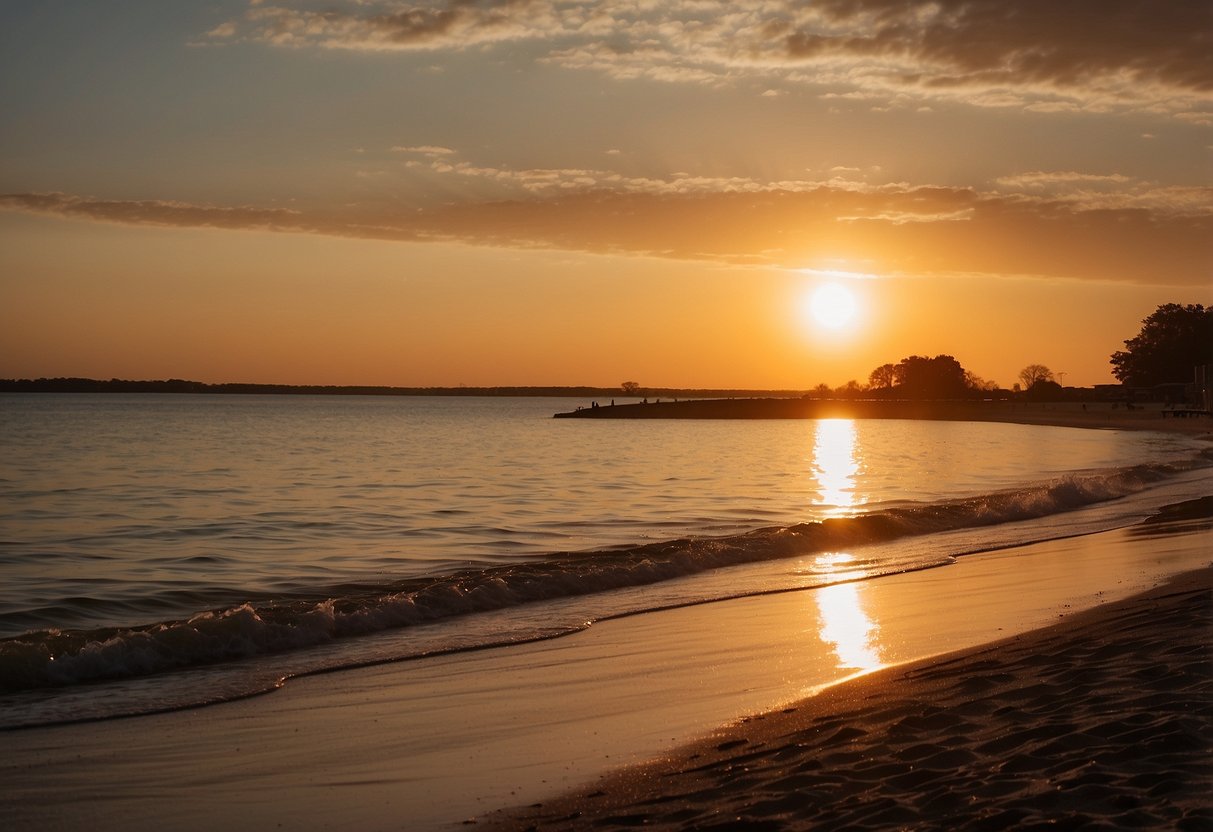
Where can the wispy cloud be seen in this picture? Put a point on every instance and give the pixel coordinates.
(157, 212)
(424, 150)
(1045, 179)
(1110, 191)
(1081, 191)
(549, 181)
(1139, 234)
(1084, 55)
(381, 26)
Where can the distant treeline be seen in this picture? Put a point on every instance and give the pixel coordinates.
(176, 385)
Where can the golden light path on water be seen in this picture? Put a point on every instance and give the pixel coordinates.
(844, 625)
(835, 466)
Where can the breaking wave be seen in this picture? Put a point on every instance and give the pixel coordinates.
(56, 658)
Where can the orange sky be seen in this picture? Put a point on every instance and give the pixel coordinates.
(558, 193)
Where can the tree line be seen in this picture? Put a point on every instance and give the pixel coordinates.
(1173, 341)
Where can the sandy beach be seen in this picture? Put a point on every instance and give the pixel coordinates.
(1104, 721)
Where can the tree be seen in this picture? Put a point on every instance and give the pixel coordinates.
(850, 390)
(632, 388)
(1034, 373)
(883, 377)
(976, 382)
(1173, 340)
(940, 377)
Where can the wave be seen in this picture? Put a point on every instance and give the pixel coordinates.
(55, 658)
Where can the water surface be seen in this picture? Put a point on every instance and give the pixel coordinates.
(158, 551)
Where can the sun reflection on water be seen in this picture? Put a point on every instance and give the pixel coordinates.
(836, 465)
(844, 624)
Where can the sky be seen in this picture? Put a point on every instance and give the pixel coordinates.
(556, 192)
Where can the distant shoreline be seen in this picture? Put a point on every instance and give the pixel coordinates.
(1084, 411)
(183, 386)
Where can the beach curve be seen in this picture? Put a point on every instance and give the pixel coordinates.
(1102, 721)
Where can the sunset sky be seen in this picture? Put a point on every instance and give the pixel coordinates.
(551, 192)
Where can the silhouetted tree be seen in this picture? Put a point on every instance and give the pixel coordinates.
(1173, 340)
(1034, 373)
(822, 390)
(883, 377)
(632, 388)
(940, 377)
(850, 390)
(976, 382)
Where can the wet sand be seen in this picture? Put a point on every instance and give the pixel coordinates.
(1104, 721)
(429, 744)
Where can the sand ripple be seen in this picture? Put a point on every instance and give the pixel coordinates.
(1102, 722)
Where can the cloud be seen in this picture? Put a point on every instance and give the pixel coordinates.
(1113, 191)
(1157, 235)
(424, 150)
(1079, 190)
(1040, 179)
(903, 217)
(993, 42)
(1095, 55)
(223, 30)
(386, 26)
(548, 181)
(157, 212)
(1092, 55)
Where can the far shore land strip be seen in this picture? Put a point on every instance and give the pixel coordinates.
(1110, 415)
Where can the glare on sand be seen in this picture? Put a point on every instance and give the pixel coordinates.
(844, 625)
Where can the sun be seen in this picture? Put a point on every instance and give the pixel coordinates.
(833, 305)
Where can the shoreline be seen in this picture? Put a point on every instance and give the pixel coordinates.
(1103, 719)
(430, 744)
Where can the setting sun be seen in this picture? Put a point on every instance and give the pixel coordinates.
(833, 306)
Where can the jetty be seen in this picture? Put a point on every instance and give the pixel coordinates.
(1108, 415)
(781, 408)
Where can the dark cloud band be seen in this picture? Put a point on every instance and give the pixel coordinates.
(918, 230)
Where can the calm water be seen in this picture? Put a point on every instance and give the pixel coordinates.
(162, 551)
